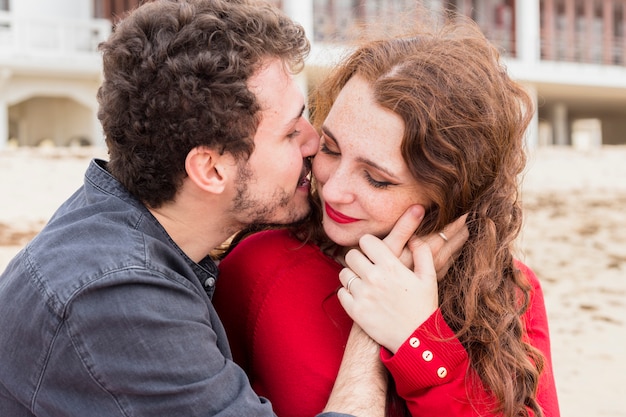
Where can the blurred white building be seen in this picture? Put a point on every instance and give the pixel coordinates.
(570, 54)
(49, 71)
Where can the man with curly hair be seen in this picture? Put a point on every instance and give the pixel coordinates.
(107, 311)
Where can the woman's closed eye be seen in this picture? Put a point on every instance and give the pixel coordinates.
(325, 149)
(375, 183)
(329, 147)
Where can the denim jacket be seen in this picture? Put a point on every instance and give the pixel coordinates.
(102, 314)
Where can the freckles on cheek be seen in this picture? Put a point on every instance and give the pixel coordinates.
(317, 172)
(388, 213)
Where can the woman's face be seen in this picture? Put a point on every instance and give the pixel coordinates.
(362, 179)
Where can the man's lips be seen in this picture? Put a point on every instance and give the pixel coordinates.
(304, 180)
(338, 217)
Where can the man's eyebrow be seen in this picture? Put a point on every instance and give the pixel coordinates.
(365, 161)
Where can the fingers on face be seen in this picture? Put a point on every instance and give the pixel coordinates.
(444, 249)
(407, 258)
(451, 235)
(404, 229)
(457, 234)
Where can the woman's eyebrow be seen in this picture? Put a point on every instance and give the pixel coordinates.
(328, 133)
(362, 160)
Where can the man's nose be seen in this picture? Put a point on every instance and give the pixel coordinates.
(310, 139)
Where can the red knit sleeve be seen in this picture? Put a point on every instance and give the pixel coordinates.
(431, 367)
(430, 371)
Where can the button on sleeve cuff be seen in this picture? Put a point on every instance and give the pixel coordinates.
(432, 355)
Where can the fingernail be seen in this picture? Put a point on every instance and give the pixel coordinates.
(417, 211)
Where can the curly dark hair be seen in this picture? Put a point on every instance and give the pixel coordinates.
(175, 78)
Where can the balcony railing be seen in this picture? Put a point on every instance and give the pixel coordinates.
(561, 47)
(595, 33)
(37, 36)
(338, 21)
(588, 31)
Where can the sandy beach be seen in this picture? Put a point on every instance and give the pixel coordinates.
(574, 238)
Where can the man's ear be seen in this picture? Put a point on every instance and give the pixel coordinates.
(209, 169)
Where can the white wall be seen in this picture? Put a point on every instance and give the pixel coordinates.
(39, 107)
(66, 9)
(48, 118)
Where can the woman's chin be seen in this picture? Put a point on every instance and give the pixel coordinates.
(342, 239)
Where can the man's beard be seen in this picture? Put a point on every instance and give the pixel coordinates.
(263, 212)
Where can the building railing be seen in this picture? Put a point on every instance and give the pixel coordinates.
(36, 36)
(599, 38)
(337, 21)
(584, 31)
(340, 21)
(559, 47)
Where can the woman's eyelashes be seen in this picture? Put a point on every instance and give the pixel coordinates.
(325, 149)
(373, 182)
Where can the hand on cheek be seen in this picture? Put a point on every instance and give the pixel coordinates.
(384, 295)
(390, 285)
(388, 300)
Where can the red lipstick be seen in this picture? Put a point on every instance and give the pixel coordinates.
(338, 217)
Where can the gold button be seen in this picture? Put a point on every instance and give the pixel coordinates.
(414, 342)
(427, 355)
(442, 372)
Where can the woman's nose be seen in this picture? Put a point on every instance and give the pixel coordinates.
(338, 188)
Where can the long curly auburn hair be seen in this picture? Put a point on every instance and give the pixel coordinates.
(465, 122)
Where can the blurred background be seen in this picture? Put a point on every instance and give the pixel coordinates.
(569, 54)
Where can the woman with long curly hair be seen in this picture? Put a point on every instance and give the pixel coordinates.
(432, 121)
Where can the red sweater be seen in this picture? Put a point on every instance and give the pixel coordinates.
(287, 329)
